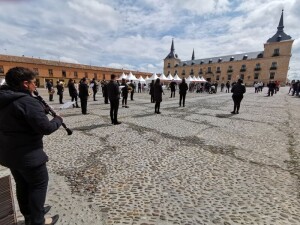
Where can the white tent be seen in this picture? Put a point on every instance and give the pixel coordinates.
(177, 78)
(153, 77)
(122, 76)
(189, 79)
(202, 79)
(170, 77)
(197, 79)
(131, 77)
(163, 77)
(141, 79)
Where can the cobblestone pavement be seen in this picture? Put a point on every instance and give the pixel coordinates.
(190, 165)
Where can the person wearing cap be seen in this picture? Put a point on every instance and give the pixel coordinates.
(237, 91)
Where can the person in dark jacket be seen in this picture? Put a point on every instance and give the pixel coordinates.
(157, 92)
(183, 87)
(94, 88)
(50, 88)
(83, 95)
(113, 96)
(238, 90)
(132, 85)
(73, 93)
(271, 87)
(173, 88)
(60, 91)
(227, 86)
(23, 123)
(151, 92)
(124, 93)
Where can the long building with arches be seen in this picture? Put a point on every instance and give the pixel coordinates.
(270, 64)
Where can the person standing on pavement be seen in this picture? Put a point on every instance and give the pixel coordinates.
(113, 96)
(183, 87)
(173, 88)
(50, 88)
(83, 95)
(60, 91)
(73, 93)
(124, 93)
(132, 85)
(271, 87)
(94, 84)
(151, 91)
(23, 123)
(238, 90)
(139, 87)
(157, 92)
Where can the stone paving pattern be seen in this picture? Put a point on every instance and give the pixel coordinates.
(190, 165)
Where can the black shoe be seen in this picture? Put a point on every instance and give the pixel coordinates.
(158, 113)
(237, 112)
(123, 105)
(126, 106)
(95, 100)
(77, 106)
(117, 123)
(27, 218)
(47, 209)
(54, 220)
(85, 113)
(233, 112)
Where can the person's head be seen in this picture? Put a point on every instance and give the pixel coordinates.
(71, 80)
(157, 81)
(20, 78)
(183, 80)
(123, 80)
(84, 80)
(112, 76)
(240, 81)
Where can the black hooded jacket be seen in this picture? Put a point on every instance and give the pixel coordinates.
(23, 123)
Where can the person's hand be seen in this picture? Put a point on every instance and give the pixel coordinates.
(60, 118)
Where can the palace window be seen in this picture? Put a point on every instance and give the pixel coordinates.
(272, 75)
(75, 74)
(243, 68)
(218, 77)
(256, 75)
(96, 76)
(218, 70)
(103, 76)
(36, 70)
(201, 71)
(1, 69)
(169, 65)
(64, 73)
(209, 70)
(276, 52)
(175, 72)
(230, 70)
(86, 75)
(192, 72)
(257, 67)
(183, 72)
(273, 66)
(242, 76)
(50, 72)
(229, 77)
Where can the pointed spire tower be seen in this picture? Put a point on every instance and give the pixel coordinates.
(172, 54)
(280, 35)
(193, 55)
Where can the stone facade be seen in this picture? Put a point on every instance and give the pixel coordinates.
(270, 64)
(56, 70)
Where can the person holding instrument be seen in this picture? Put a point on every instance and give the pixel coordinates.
(23, 123)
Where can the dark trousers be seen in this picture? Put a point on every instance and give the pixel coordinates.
(31, 187)
(114, 106)
(157, 106)
(271, 91)
(105, 98)
(131, 95)
(152, 98)
(83, 102)
(61, 98)
(124, 100)
(139, 90)
(74, 98)
(237, 102)
(50, 97)
(94, 95)
(173, 93)
(182, 98)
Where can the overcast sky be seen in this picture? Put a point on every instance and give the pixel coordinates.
(137, 35)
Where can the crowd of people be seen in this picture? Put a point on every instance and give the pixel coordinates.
(294, 88)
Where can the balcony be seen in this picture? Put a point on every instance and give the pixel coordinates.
(208, 72)
(257, 69)
(275, 54)
(273, 68)
(243, 70)
(229, 70)
(218, 71)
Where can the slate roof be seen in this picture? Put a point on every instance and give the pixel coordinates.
(280, 35)
(227, 58)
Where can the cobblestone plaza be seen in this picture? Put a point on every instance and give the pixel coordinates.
(193, 165)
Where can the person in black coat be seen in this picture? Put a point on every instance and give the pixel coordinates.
(132, 85)
(23, 123)
(60, 91)
(124, 93)
(173, 88)
(50, 88)
(83, 95)
(157, 93)
(113, 96)
(183, 87)
(73, 93)
(238, 90)
(151, 92)
(272, 87)
(94, 88)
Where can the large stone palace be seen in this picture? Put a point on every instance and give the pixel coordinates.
(270, 64)
(60, 71)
